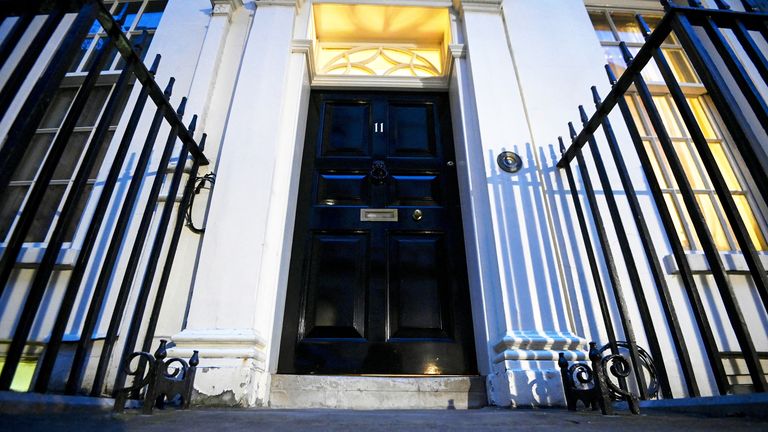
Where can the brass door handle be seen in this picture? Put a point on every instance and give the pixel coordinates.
(417, 215)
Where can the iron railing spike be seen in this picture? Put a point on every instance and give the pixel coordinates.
(201, 144)
(192, 124)
(155, 65)
(626, 53)
(583, 115)
(572, 130)
(749, 6)
(169, 88)
(611, 76)
(596, 97)
(723, 5)
(644, 27)
(182, 107)
(562, 145)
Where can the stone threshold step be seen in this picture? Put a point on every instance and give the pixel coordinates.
(377, 392)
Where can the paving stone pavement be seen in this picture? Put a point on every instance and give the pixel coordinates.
(486, 419)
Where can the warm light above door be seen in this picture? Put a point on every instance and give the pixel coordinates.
(380, 41)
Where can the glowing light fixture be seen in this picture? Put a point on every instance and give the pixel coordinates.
(371, 40)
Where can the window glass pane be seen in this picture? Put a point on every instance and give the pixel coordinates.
(83, 49)
(101, 43)
(677, 222)
(655, 163)
(110, 59)
(33, 157)
(46, 212)
(602, 28)
(614, 58)
(688, 160)
(127, 11)
(725, 167)
(121, 106)
(707, 208)
(94, 105)
(144, 44)
(150, 18)
(653, 22)
(758, 239)
(69, 233)
(100, 156)
(701, 117)
(95, 27)
(636, 116)
(681, 68)
(651, 72)
(627, 27)
(58, 107)
(11, 199)
(668, 116)
(66, 166)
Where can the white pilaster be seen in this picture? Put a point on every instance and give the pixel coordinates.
(211, 85)
(514, 241)
(225, 309)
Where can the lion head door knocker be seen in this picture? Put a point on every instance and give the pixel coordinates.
(378, 172)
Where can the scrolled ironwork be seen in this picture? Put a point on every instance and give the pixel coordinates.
(175, 371)
(620, 368)
(578, 383)
(162, 380)
(582, 373)
(647, 366)
(591, 383)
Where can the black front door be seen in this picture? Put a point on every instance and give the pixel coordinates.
(378, 281)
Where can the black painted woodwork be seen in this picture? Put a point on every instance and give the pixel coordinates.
(378, 297)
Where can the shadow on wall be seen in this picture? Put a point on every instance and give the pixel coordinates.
(566, 231)
(12, 298)
(525, 246)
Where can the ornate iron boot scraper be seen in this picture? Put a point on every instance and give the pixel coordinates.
(163, 381)
(592, 386)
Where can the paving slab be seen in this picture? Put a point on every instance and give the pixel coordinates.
(485, 419)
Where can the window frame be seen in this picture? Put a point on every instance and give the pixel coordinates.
(690, 90)
(31, 252)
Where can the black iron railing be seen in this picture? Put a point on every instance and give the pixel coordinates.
(17, 144)
(744, 113)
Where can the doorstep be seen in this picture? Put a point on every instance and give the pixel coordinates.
(377, 392)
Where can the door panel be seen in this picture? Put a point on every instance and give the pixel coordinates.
(412, 130)
(368, 296)
(415, 190)
(335, 188)
(418, 288)
(346, 131)
(337, 285)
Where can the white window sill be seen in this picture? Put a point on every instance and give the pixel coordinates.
(734, 262)
(31, 255)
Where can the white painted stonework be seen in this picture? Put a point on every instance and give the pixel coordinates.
(517, 341)
(350, 392)
(517, 71)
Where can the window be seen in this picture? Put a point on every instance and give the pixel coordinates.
(139, 16)
(380, 41)
(613, 27)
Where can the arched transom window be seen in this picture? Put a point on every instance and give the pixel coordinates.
(380, 41)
